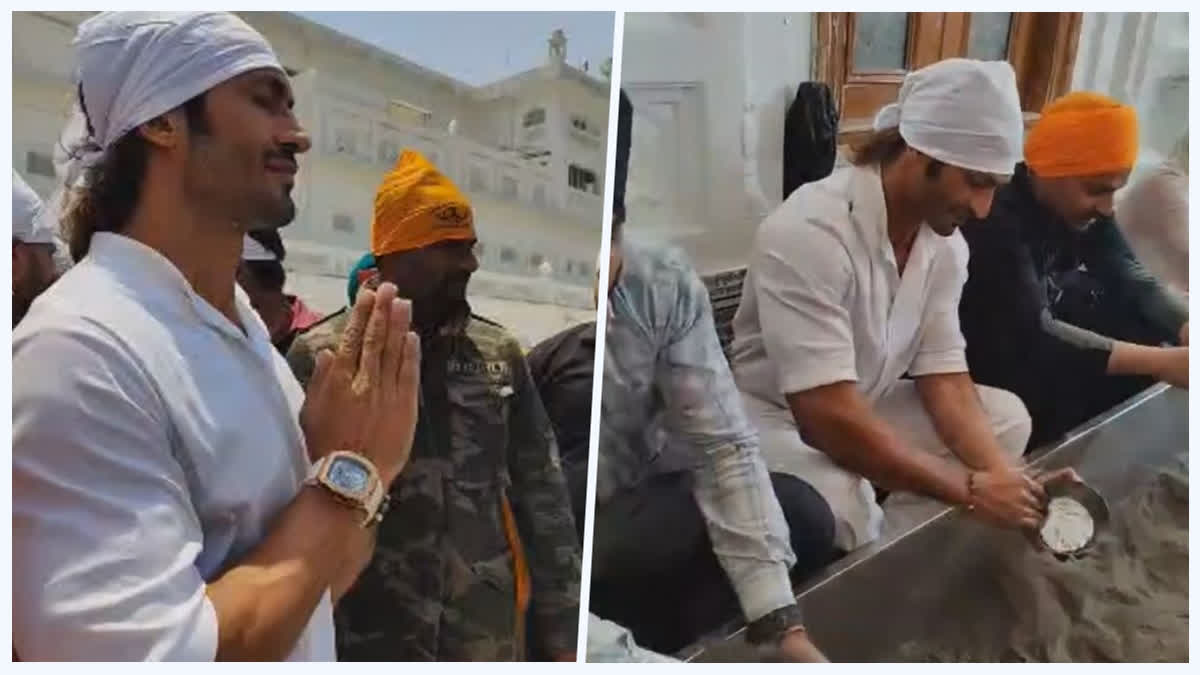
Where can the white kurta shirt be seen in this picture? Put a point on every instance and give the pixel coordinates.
(824, 301)
(153, 444)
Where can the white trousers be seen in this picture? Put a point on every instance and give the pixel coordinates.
(859, 519)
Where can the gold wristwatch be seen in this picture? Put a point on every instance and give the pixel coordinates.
(353, 480)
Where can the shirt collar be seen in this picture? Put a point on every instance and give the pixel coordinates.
(156, 280)
(1036, 220)
(868, 209)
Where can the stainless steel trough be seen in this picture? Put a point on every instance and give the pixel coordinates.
(865, 607)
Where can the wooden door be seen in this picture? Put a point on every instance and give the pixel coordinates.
(864, 56)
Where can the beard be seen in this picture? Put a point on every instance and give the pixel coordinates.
(21, 302)
(439, 309)
(235, 182)
(271, 213)
(25, 293)
(20, 307)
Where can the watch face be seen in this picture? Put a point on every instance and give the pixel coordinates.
(348, 475)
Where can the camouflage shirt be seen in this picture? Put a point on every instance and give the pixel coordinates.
(670, 402)
(442, 584)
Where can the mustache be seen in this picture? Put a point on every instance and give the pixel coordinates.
(285, 151)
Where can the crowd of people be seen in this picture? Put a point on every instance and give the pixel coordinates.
(911, 325)
(205, 468)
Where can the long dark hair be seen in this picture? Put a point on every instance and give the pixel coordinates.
(113, 186)
(881, 147)
(621, 166)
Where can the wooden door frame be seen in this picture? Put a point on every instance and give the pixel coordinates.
(1042, 75)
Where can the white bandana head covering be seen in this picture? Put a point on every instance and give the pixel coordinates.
(252, 250)
(28, 224)
(961, 112)
(135, 66)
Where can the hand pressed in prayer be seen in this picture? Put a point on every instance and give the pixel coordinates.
(364, 397)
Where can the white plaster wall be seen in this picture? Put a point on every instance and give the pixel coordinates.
(745, 68)
(585, 150)
(41, 90)
(1140, 58)
(301, 46)
(338, 79)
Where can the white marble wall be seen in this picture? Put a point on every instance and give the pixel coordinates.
(344, 93)
(1140, 58)
(711, 91)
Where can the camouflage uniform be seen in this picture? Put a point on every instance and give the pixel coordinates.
(442, 584)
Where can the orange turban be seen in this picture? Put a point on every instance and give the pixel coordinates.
(417, 206)
(1083, 134)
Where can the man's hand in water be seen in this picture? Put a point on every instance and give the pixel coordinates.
(795, 647)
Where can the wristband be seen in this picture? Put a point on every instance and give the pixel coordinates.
(773, 627)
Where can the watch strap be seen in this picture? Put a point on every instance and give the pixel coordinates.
(770, 628)
(372, 505)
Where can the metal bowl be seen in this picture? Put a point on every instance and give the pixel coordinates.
(1091, 500)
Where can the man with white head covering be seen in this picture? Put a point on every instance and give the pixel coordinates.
(262, 277)
(854, 283)
(172, 498)
(33, 248)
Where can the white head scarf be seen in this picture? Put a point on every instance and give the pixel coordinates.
(28, 224)
(962, 112)
(252, 250)
(135, 66)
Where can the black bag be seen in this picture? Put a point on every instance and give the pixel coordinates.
(809, 136)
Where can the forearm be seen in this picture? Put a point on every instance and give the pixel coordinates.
(1165, 311)
(266, 600)
(1132, 359)
(746, 526)
(839, 422)
(958, 416)
(1140, 291)
(361, 550)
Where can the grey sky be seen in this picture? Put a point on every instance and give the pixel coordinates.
(478, 47)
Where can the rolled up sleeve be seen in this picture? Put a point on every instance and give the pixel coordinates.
(733, 490)
(104, 534)
(942, 348)
(802, 279)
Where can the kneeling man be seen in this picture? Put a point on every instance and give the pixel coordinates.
(853, 283)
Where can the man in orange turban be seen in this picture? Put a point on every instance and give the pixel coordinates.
(423, 239)
(485, 538)
(1056, 308)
